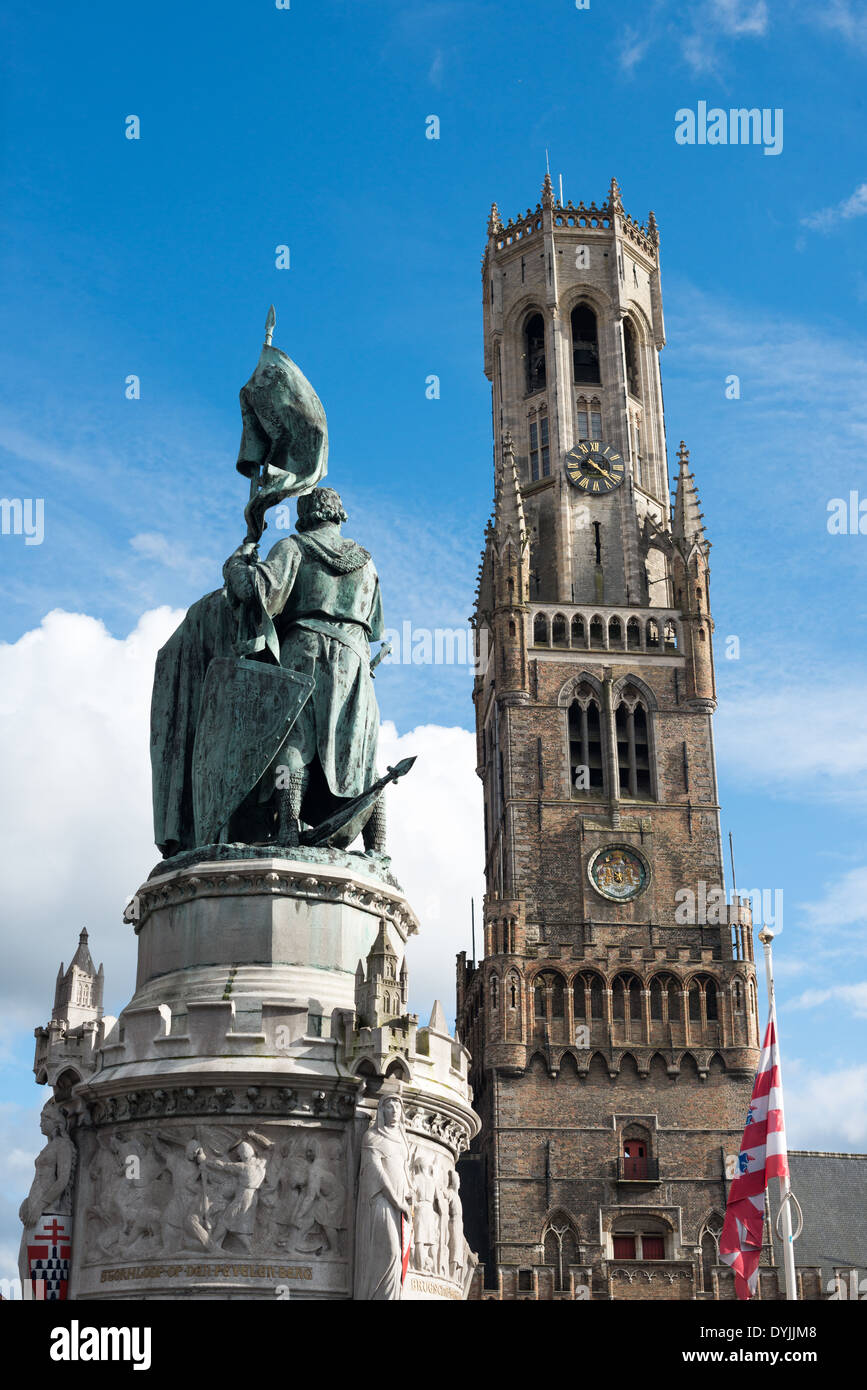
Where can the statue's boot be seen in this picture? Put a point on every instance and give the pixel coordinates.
(289, 802)
(373, 833)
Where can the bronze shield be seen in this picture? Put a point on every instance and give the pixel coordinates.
(247, 710)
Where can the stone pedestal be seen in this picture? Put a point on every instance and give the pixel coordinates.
(219, 1139)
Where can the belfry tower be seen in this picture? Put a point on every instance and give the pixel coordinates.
(612, 1019)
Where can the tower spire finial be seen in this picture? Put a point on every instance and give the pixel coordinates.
(687, 521)
(615, 203)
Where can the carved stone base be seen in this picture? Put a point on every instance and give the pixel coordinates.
(219, 1141)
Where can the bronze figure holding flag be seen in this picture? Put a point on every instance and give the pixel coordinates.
(264, 724)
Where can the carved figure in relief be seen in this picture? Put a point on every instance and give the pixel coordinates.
(274, 1199)
(457, 1245)
(55, 1165)
(184, 1220)
(238, 1216)
(384, 1205)
(318, 1215)
(426, 1225)
(123, 1176)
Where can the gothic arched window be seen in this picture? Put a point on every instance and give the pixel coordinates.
(702, 1000)
(633, 745)
(585, 344)
(587, 997)
(534, 353)
(540, 452)
(589, 418)
(626, 1001)
(549, 1005)
(561, 1250)
(585, 741)
(637, 458)
(540, 630)
(630, 352)
(709, 1242)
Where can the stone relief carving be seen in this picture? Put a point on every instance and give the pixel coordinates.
(318, 1212)
(221, 1100)
(385, 1200)
(427, 1211)
(213, 1189)
(126, 1219)
(456, 1247)
(246, 1172)
(439, 1245)
(184, 1218)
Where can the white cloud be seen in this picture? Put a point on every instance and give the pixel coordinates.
(840, 17)
(844, 903)
(633, 48)
(826, 1110)
(853, 995)
(75, 821)
(715, 22)
(760, 739)
(853, 206)
(739, 17)
(151, 545)
(436, 843)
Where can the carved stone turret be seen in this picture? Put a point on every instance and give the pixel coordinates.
(66, 1050)
(691, 577)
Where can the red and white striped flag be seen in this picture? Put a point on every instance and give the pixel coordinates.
(405, 1244)
(762, 1157)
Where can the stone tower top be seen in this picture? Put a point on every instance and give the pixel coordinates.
(78, 992)
(66, 1050)
(569, 214)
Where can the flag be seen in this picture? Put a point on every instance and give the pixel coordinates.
(405, 1244)
(762, 1157)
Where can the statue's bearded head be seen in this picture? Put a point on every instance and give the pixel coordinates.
(319, 506)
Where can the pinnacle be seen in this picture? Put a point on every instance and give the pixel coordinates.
(615, 202)
(508, 506)
(82, 957)
(687, 519)
(495, 222)
(438, 1019)
(547, 192)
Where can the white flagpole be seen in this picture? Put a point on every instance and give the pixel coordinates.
(766, 938)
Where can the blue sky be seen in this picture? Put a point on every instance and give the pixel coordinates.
(306, 127)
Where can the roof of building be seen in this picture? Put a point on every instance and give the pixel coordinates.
(832, 1191)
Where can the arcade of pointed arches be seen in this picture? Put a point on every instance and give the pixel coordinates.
(657, 1010)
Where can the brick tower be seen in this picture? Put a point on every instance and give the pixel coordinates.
(612, 1019)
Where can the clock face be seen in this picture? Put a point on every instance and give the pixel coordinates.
(618, 873)
(594, 468)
